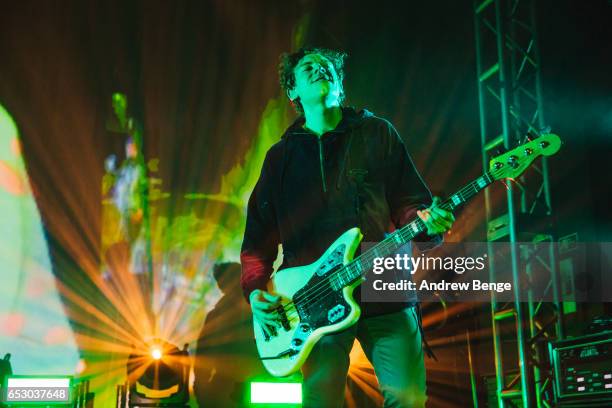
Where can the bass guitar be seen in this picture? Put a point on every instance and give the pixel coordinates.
(317, 299)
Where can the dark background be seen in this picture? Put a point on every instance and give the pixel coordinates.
(199, 75)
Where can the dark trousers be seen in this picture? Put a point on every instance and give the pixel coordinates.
(392, 343)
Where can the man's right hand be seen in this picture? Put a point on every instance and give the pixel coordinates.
(264, 305)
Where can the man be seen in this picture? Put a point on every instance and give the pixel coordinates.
(336, 168)
(127, 191)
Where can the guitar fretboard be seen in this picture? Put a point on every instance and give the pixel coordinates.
(360, 265)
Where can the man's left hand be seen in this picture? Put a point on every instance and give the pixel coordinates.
(436, 219)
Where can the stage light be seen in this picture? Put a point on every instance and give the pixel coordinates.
(153, 381)
(156, 353)
(276, 393)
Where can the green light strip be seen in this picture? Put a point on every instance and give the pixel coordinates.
(276, 393)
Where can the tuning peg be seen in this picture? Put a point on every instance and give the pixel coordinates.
(531, 134)
(500, 150)
(513, 161)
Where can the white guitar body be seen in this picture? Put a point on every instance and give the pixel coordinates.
(326, 311)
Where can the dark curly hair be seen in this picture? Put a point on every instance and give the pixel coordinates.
(288, 61)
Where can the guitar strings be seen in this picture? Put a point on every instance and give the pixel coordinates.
(389, 241)
(323, 287)
(386, 244)
(320, 288)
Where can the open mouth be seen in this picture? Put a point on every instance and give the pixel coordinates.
(322, 78)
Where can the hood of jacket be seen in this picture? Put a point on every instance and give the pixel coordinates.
(350, 118)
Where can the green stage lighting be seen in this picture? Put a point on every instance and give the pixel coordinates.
(276, 393)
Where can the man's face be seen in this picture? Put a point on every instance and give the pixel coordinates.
(316, 81)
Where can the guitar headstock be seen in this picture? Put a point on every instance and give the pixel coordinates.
(514, 162)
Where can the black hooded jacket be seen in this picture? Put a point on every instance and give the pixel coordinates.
(312, 189)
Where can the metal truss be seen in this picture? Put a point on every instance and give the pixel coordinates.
(510, 103)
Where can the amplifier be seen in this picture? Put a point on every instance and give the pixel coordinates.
(582, 367)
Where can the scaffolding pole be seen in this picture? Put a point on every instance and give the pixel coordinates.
(510, 107)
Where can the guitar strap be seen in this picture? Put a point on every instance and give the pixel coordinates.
(355, 165)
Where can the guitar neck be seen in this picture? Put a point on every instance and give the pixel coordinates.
(360, 265)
